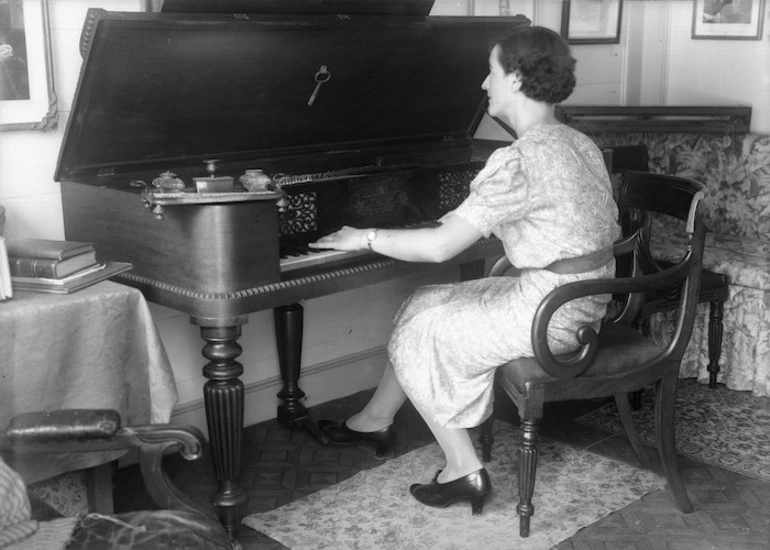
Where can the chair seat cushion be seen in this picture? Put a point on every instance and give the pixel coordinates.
(622, 350)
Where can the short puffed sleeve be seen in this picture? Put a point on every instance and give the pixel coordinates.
(498, 193)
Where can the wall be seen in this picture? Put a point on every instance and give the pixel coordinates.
(708, 72)
(345, 334)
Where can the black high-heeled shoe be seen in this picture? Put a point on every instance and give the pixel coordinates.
(339, 434)
(475, 487)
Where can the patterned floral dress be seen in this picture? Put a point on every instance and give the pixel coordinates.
(547, 197)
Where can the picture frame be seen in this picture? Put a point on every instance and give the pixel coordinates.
(505, 8)
(737, 20)
(27, 94)
(591, 21)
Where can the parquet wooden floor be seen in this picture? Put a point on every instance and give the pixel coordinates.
(732, 512)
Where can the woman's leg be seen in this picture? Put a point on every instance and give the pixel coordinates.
(382, 407)
(462, 479)
(461, 457)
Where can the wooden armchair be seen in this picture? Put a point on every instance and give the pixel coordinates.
(632, 161)
(619, 360)
(714, 288)
(181, 523)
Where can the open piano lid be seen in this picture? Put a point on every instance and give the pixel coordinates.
(159, 90)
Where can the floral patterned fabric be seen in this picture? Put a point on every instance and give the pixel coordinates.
(547, 197)
(725, 428)
(18, 530)
(373, 509)
(736, 172)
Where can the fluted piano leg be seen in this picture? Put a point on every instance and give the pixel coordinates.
(223, 397)
(292, 413)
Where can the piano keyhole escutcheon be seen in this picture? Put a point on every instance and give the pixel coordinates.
(323, 75)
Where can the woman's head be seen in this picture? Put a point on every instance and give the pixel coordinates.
(541, 59)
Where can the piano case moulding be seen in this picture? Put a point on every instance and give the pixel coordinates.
(167, 91)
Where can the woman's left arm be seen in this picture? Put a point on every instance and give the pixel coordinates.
(426, 244)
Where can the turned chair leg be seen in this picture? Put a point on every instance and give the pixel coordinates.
(665, 405)
(527, 469)
(487, 438)
(716, 314)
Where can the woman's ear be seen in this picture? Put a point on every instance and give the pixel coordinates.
(515, 82)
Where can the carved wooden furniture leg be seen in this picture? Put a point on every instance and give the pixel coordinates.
(288, 339)
(716, 314)
(527, 469)
(487, 438)
(223, 397)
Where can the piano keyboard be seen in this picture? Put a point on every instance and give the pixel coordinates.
(316, 257)
(296, 256)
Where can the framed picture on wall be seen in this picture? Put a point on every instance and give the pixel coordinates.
(591, 21)
(27, 96)
(728, 19)
(505, 8)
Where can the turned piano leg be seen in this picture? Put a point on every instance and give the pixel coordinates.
(223, 397)
(288, 339)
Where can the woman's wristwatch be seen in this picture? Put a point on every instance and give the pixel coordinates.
(371, 236)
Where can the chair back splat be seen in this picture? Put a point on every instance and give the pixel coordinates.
(618, 359)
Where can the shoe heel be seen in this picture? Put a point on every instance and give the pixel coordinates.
(384, 445)
(477, 505)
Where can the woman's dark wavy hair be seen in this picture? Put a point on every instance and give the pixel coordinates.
(542, 60)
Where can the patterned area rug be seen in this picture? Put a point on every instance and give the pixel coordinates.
(725, 428)
(374, 509)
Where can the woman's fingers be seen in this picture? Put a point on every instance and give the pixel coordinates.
(345, 239)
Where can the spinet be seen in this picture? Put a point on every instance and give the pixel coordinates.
(387, 141)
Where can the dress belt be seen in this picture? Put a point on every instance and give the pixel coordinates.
(582, 264)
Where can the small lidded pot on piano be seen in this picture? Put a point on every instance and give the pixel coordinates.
(255, 180)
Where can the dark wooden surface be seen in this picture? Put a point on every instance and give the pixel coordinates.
(596, 119)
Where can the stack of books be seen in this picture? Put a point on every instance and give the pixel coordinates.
(58, 267)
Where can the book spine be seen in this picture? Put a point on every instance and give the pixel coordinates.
(32, 267)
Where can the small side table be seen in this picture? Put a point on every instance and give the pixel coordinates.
(95, 348)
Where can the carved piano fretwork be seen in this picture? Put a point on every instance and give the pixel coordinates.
(164, 92)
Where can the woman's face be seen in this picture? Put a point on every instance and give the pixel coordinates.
(498, 85)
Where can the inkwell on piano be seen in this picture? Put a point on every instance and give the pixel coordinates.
(352, 109)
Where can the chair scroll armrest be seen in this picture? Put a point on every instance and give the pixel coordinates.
(572, 365)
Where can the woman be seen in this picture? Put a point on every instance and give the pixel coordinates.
(548, 197)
